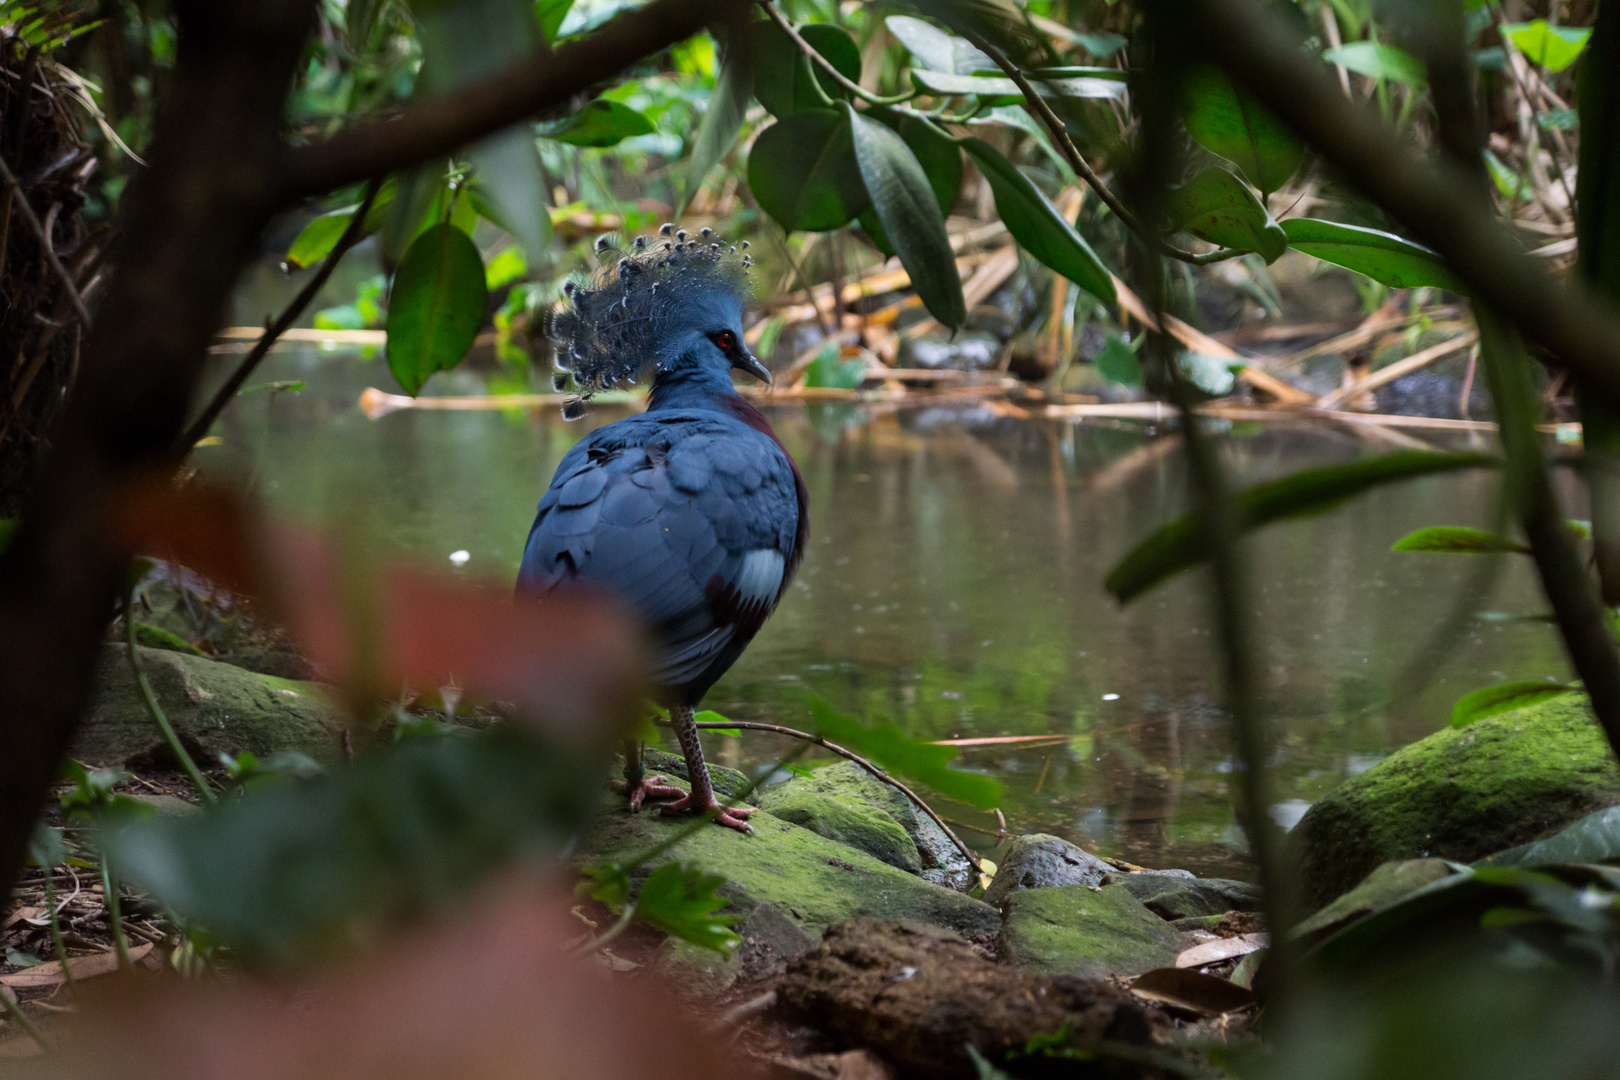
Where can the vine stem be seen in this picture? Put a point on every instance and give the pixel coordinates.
(57, 943)
(155, 709)
(1060, 134)
(115, 915)
(778, 729)
(827, 65)
(14, 1010)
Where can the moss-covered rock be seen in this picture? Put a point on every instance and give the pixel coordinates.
(940, 861)
(1039, 861)
(727, 783)
(1459, 794)
(1188, 897)
(812, 880)
(1086, 931)
(849, 821)
(213, 706)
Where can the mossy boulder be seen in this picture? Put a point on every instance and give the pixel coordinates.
(1190, 897)
(939, 860)
(727, 783)
(213, 706)
(849, 821)
(1086, 931)
(1039, 861)
(1459, 794)
(812, 880)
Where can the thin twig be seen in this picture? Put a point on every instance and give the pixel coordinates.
(827, 65)
(20, 197)
(750, 725)
(154, 709)
(225, 394)
(115, 915)
(1060, 134)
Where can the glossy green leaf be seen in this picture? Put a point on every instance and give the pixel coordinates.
(316, 240)
(1492, 700)
(936, 49)
(1182, 543)
(1116, 361)
(999, 90)
(936, 152)
(681, 899)
(907, 206)
(1036, 224)
(1553, 47)
(721, 123)
(1595, 838)
(1228, 121)
(291, 870)
(1379, 61)
(600, 123)
(1458, 539)
(549, 14)
(897, 752)
(1216, 206)
(1386, 258)
(873, 228)
(803, 172)
(436, 307)
(785, 80)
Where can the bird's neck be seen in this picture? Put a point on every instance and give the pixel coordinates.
(691, 388)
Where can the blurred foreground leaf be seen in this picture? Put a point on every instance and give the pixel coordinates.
(898, 752)
(1458, 539)
(1493, 700)
(680, 899)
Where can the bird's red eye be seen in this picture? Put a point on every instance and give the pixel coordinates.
(726, 340)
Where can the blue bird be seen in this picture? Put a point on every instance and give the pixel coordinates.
(692, 513)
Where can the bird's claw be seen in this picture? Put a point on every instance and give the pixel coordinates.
(732, 817)
(648, 787)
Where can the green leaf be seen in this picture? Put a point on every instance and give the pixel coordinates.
(1216, 206)
(1116, 361)
(359, 21)
(680, 899)
(722, 121)
(287, 872)
(505, 268)
(935, 49)
(999, 90)
(316, 240)
(936, 152)
(1211, 374)
(1378, 61)
(803, 172)
(1182, 543)
(1459, 539)
(897, 752)
(1228, 121)
(549, 14)
(906, 205)
(873, 228)
(828, 370)
(1493, 700)
(1036, 224)
(436, 307)
(1384, 257)
(785, 80)
(1553, 47)
(602, 122)
(1103, 43)
(1595, 838)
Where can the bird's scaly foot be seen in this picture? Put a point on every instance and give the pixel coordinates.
(648, 787)
(732, 817)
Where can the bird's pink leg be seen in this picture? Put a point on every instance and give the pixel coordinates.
(637, 784)
(701, 799)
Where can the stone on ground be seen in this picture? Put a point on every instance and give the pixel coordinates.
(1039, 861)
(1188, 898)
(1459, 794)
(847, 820)
(812, 880)
(1080, 930)
(727, 783)
(213, 706)
(941, 862)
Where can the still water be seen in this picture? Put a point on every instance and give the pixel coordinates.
(954, 587)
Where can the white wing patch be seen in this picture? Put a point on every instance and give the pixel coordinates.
(760, 578)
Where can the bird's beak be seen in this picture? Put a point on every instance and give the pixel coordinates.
(750, 363)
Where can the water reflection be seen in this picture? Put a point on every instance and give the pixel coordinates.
(953, 587)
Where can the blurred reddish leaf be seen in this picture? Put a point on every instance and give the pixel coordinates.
(494, 996)
(576, 660)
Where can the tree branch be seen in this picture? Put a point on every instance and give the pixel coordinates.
(1437, 201)
(439, 125)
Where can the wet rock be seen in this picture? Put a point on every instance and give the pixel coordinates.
(1039, 861)
(1384, 886)
(966, 352)
(1086, 931)
(847, 820)
(769, 940)
(919, 996)
(811, 880)
(727, 782)
(1459, 794)
(1187, 898)
(940, 861)
(167, 806)
(213, 706)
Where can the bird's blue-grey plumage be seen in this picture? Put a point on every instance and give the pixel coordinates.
(691, 513)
